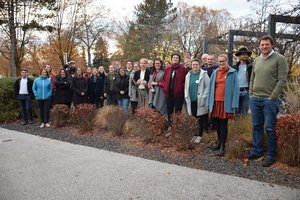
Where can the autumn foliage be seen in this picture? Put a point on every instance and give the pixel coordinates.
(60, 115)
(288, 139)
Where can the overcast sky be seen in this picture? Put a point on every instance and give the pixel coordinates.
(121, 9)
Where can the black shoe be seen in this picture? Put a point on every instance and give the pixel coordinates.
(268, 162)
(221, 153)
(253, 157)
(214, 148)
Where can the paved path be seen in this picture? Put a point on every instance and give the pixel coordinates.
(37, 168)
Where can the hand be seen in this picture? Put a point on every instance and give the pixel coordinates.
(154, 83)
(105, 94)
(82, 94)
(122, 92)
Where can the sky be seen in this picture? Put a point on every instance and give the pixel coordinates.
(121, 9)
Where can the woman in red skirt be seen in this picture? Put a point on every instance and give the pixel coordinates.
(222, 99)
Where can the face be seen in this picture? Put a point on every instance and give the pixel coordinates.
(136, 67)
(24, 74)
(167, 64)
(150, 63)
(48, 68)
(129, 66)
(79, 71)
(62, 73)
(157, 65)
(94, 72)
(72, 64)
(204, 59)
(101, 69)
(195, 66)
(122, 72)
(143, 64)
(222, 62)
(175, 59)
(117, 64)
(44, 73)
(210, 60)
(244, 57)
(187, 55)
(111, 69)
(265, 47)
(88, 70)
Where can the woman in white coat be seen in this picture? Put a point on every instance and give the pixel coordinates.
(195, 93)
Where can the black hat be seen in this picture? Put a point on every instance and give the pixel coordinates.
(243, 50)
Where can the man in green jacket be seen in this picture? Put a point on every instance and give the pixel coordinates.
(269, 77)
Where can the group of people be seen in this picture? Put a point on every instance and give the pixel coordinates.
(201, 88)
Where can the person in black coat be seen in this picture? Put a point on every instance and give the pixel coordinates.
(23, 93)
(80, 88)
(63, 93)
(121, 88)
(102, 74)
(95, 88)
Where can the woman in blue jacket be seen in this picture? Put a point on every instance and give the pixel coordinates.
(42, 89)
(223, 98)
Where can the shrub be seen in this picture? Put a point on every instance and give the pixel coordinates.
(288, 139)
(292, 94)
(112, 118)
(9, 107)
(60, 115)
(239, 136)
(83, 116)
(148, 123)
(183, 129)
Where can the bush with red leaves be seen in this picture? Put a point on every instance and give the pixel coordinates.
(288, 139)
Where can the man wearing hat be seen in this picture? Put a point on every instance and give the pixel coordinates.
(71, 68)
(244, 69)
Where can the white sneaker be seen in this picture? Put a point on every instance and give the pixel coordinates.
(47, 125)
(42, 125)
(193, 139)
(197, 140)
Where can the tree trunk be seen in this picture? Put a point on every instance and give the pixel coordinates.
(89, 56)
(12, 30)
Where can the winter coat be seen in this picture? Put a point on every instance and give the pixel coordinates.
(202, 93)
(95, 89)
(63, 93)
(79, 85)
(122, 84)
(178, 91)
(232, 91)
(42, 88)
(158, 98)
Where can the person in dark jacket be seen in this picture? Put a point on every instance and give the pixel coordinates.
(244, 69)
(63, 93)
(102, 74)
(110, 92)
(95, 88)
(121, 88)
(23, 93)
(79, 87)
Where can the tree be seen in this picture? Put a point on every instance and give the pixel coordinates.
(93, 25)
(18, 19)
(101, 54)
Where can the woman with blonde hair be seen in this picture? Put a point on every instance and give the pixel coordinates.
(223, 99)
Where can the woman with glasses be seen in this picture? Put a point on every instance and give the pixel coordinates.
(223, 98)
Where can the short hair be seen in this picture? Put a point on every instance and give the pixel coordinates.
(143, 59)
(41, 70)
(267, 37)
(204, 55)
(23, 69)
(176, 54)
(196, 60)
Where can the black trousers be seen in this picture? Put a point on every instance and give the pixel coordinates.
(202, 119)
(44, 107)
(174, 104)
(134, 105)
(222, 129)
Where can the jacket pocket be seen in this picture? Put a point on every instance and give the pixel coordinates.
(202, 101)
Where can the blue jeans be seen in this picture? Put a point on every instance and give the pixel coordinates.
(243, 103)
(124, 104)
(25, 101)
(264, 114)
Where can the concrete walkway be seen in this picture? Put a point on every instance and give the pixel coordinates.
(37, 168)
